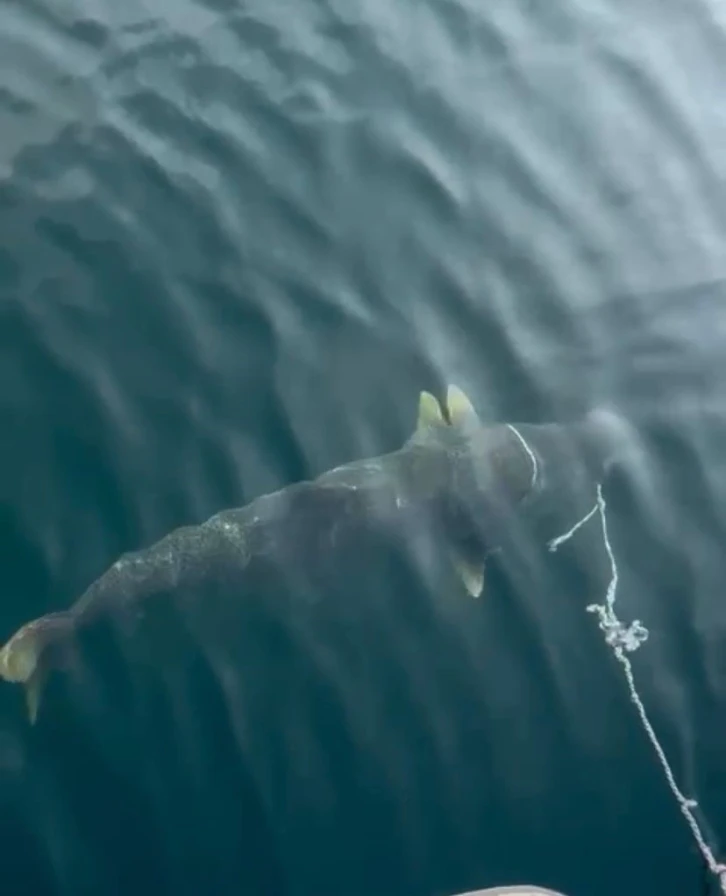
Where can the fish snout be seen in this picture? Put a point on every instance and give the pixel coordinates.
(609, 440)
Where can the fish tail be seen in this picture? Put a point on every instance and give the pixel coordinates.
(25, 657)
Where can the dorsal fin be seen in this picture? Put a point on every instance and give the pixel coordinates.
(459, 408)
(429, 412)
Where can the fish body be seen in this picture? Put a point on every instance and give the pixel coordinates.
(455, 474)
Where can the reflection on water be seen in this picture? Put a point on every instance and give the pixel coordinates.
(235, 244)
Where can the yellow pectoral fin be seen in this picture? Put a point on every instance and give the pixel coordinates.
(429, 412)
(459, 407)
(470, 573)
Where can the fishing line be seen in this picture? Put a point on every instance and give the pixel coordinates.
(624, 639)
(532, 456)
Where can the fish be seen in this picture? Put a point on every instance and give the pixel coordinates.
(456, 471)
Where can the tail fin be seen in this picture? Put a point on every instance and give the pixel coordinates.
(24, 659)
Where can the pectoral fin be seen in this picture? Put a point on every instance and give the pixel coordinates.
(429, 412)
(460, 410)
(470, 572)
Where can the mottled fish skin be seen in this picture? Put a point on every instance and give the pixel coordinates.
(283, 527)
(430, 476)
(454, 471)
(294, 520)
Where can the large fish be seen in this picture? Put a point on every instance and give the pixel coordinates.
(454, 471)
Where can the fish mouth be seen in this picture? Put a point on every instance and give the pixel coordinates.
(610, 441)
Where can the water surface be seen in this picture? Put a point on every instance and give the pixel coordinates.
(236, 240)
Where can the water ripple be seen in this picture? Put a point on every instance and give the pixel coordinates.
(235, 243)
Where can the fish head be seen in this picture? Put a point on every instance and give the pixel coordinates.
(498, 470)
(608, 441)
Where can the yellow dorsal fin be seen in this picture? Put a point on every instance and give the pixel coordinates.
(429, 412)
(459, 407)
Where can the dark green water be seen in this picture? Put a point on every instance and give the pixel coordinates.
(236, 240)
